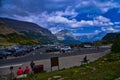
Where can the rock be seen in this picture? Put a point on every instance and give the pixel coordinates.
(56, 77)
(49, 78)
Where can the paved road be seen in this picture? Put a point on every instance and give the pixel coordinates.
(66, 60)
(41, 55)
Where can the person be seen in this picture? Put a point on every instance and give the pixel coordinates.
(32, 64)
(27, 70)
(85, 58)
(97, 48)
(19, 71)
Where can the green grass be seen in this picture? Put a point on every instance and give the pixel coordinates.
(105, 68)
(15, 38)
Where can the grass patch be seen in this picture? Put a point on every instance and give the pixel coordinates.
(14, 38)
(105, 68)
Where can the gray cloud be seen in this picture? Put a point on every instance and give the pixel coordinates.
(47, 12)
(20, 7)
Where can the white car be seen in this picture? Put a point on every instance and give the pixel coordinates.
(66, 48)
(87, 46)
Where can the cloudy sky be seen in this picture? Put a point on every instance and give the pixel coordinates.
(81, 17)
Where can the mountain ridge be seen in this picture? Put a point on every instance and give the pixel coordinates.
(4, 29)
(28, 28)
(66, 37)
(9, 36)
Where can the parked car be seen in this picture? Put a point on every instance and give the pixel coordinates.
(10, 50)
(1, 57)
(19, 52)
(4, 54)
(87, 46)
(66, 48)
(52, 49)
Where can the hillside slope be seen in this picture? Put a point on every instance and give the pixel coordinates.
(31, 30)
(110, 37)
(9, 36)
(4, 29)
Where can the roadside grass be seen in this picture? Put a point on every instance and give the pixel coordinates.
(6, 43)
(105, 68)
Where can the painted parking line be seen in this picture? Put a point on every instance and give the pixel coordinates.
(10, 65)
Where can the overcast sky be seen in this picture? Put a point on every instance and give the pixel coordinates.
(79, 16)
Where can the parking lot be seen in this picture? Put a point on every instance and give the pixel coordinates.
(41, 54)
(16, 51)
(66, 60)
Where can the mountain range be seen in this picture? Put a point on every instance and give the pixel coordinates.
(44, 36)
(33, 31)
(91, 38)
(30, 30)
(66, 37)
(4, 29)
(9, 36)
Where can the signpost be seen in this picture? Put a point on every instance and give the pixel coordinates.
(11, 74)
(54, 62)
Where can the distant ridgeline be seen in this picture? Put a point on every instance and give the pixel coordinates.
(21, 32)
(66, 37)
(110, 37)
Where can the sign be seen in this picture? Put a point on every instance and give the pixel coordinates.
(54, 62)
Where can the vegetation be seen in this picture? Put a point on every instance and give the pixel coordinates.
(116, 45)
(15, 38)
(109, 38)
(38, 36)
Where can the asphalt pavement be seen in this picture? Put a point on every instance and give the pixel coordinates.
(41, 55)
(66, 60)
